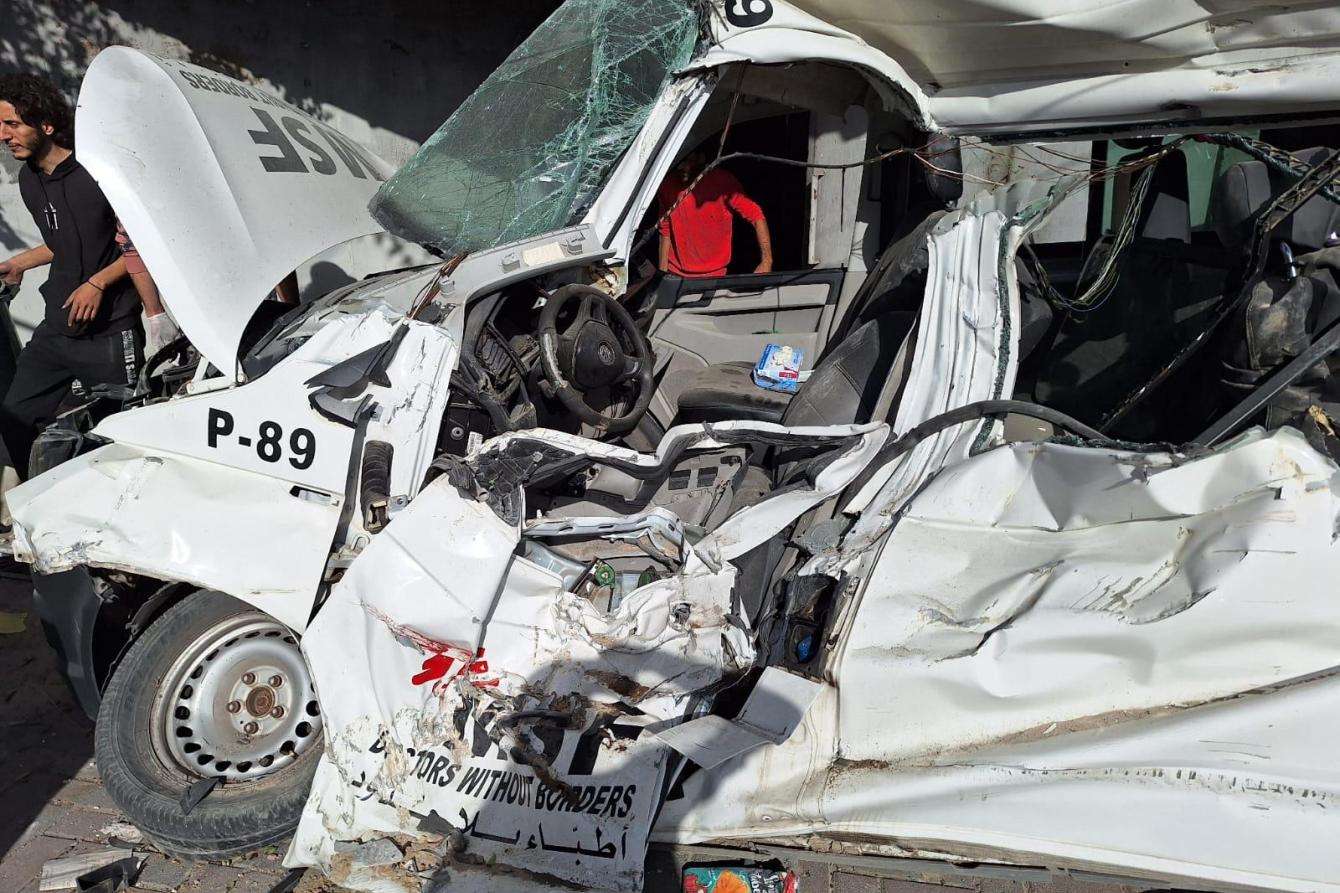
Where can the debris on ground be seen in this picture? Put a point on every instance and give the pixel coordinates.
(67, 872)
(121, 833)
(289, 882)
(737, 879)
(110, 878)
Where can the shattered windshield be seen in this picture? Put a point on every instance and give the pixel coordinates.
(528, 151)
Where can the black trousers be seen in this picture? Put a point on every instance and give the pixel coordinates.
(48, 365)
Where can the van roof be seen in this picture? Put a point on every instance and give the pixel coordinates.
(1054, 65)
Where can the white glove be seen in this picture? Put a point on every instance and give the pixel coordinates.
(159, 332)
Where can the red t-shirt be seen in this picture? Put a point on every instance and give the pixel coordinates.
(700, 226)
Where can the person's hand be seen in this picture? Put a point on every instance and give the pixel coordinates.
(764, 266)
(10, 272)
(159, 332)
(83, 304)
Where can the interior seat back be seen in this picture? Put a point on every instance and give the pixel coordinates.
(1244, 188)
(1093, 358)
(845, 386)
(1166, 213)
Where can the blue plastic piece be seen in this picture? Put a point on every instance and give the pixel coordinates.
(779, 368)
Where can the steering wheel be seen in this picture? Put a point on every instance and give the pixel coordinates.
(601, 348)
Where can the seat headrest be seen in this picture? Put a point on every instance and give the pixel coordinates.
(1167, 211)
(1245, 187)
(1319, 217)
(1241, 190)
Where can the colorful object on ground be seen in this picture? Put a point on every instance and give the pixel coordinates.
(737, 879)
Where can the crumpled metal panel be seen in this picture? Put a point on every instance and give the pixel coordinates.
(478, 699)
(965, 351)
(1084, 657)
(177, 498)
(519, 744)
(1042, 584)
(174, 517)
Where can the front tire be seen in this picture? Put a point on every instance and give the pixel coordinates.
(213, 688)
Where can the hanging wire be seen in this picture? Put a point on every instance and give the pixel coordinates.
(1104, 283)
(1088, 297)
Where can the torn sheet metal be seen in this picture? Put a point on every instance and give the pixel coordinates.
(745, 529)
(660, 530)
(478, 697)
(1061, 633)
(965, 350)
(772, 713)
(757, 524)
(530, 750)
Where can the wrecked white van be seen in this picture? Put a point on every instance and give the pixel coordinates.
(505, 565)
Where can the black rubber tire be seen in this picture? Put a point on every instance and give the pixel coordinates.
(235, 819)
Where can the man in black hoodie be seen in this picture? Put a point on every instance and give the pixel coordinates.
(90, 330)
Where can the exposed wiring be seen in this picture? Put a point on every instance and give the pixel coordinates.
(1264, 221)
(1102, 286)
(1272, 156)
(1096, 294)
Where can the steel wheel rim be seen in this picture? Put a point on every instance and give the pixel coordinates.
(238, 703)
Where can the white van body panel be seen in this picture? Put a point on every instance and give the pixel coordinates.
(1018, 66)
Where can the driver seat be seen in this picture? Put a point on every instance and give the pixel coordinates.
(844, 388)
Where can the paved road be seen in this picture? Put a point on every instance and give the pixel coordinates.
(54, 804)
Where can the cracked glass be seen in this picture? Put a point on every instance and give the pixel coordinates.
(528, 151)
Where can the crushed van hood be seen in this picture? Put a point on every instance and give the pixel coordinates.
(224, 188)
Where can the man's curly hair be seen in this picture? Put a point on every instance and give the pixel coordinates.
(38, 102)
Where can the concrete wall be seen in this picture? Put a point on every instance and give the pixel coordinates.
(384, 73)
